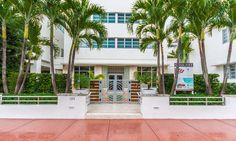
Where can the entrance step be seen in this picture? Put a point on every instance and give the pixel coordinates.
(113, 116)
(114, 111)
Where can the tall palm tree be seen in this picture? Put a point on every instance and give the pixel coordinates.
(76, 19)
(51, 8)
(178, 11)
(6, 12)
(200, 17)
(151, 16)
(228, 21)
(34, 49)
(29, 10)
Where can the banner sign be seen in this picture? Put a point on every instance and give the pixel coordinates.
(185, 78)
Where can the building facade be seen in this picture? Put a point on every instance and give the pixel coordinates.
(120, 56)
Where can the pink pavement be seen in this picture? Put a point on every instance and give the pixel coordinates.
(117, 130)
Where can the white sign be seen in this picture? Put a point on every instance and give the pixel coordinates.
(185, 78)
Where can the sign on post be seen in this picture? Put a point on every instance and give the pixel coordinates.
(185, 80)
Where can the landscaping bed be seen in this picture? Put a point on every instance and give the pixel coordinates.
(30, 99)
(196, 99)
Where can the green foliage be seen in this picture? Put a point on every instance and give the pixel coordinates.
(199, 83)
(38, 83)
(81, 81)
(230, 88)
(145, 78)
(96, 77)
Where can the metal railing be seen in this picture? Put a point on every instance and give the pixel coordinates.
(198, 101)
(139, 98)
(88, 98)
(28, 100)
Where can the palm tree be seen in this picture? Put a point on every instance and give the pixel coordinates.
(76, 19)
(230, 22)
(51, 8)
(29, 10)
(185, 51)
(6, 12)
(34, 49)
(200, 17)
(178, 11)
(151, 16)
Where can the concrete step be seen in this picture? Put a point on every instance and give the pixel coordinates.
(113, 116)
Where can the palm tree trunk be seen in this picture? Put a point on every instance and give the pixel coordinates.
(205, 72)
(68, 76)
(22, 60)
(54, 86)
(159, 69)
(25, 77)
(163, 70)
(72, 70)
(226, 70)
(178, 62)
(4, 57)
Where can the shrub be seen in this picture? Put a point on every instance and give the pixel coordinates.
(82, 81)
(230, 88)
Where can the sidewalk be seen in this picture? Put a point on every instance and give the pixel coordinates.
(117, 130)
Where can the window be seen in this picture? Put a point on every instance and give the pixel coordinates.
(107, 43)
(123, 17)
(108, 18)
(84, 70)
(62, 53)
(225, 35)
(232, 72)
(149, 70)
(128, 43)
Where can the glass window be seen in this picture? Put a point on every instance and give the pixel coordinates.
(107, 43)
(111, 43)
(121, 43)
(108, 18)
(225, 35)
(151, 71)
(111, 17)
(96, 18)
(128, 43)
(232, 72)
(84, 69)
(135, 43)
(127, 16)
(123, 17)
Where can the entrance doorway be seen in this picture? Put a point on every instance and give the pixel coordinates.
(115, 82)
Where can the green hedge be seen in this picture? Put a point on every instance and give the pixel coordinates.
(231, 88)
(41, 83)
(38, 83)
(199, 84)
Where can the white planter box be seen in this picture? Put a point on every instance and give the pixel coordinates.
(148, 92)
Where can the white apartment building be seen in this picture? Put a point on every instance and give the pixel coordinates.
(120, 56)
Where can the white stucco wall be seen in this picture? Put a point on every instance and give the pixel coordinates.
(68, 107)
(159, 108)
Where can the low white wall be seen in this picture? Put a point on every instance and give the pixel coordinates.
(68, 107)
(159, 108)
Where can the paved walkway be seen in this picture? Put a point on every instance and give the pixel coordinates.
(117, 130)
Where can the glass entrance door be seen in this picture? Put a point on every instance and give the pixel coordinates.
(115, 82)
(115, 90)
